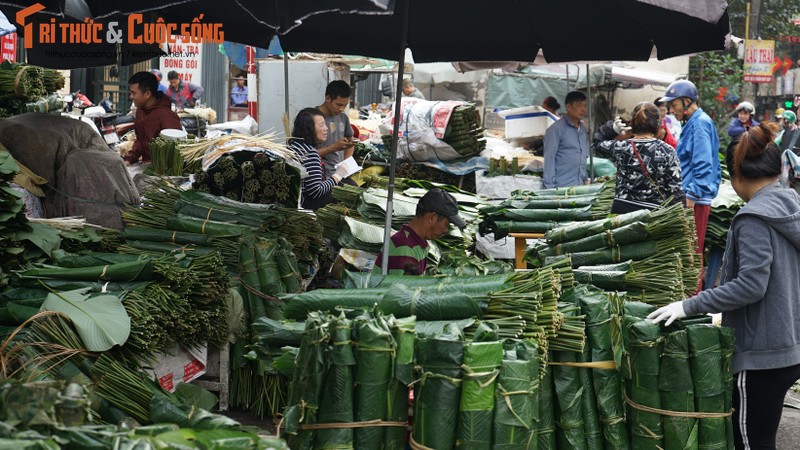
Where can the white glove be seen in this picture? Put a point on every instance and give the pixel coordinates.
(341, 173)
(620, 127)
(671, 312)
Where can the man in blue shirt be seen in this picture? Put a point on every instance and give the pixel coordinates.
(239, 92)
(566, 146)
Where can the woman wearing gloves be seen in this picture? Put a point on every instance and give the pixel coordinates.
(648, 170)
(309, 131)
(759, 289)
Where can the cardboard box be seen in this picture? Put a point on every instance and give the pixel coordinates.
(179, 364)
(530, 121)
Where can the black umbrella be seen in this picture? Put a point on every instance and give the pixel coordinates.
(514, 30)
(251, 22)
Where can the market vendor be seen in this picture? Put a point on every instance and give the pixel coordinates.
(409, 90)
(183, 94)
(153, 114)
(566, 146)
(339, 144)
(408, 249)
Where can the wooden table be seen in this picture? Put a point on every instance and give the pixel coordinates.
(519, 247)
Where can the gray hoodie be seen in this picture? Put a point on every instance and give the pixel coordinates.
(760, 291)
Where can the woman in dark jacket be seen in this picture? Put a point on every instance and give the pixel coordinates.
(648, 170)
(309, 131)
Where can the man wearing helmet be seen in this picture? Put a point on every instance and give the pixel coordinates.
(788, 138)
(743, 120)
(698, 152)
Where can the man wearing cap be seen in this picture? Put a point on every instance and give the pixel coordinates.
(410, 91)
(743, 120)
(183, 94)
(153, 114)
(239, 91)
(408, 249)
(161, 87)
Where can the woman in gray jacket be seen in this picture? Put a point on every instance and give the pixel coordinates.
(760, 289)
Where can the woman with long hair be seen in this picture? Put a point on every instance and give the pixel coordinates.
(648, 170)
(308, 132)
(758, 293)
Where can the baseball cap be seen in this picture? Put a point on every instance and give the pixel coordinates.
(442, 203)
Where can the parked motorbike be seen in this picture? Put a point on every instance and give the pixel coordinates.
(76, 101)
(104, 124)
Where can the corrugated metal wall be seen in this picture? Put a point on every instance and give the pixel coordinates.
(368, 91)
(215, 80)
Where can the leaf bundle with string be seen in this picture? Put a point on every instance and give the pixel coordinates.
(481, 368)
(517, 397)
(374, 371)
(336, 399)
(706, 364)
(644, 344)
(438, 391)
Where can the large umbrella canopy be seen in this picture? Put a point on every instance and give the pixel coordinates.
(251, 22)
(515, 30)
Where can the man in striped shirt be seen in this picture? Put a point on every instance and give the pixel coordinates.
(408, 249)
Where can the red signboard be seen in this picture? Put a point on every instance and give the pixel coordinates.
(8, 47)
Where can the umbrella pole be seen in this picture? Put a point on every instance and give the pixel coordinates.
(286, 83)
(590, 128)
(387, 226)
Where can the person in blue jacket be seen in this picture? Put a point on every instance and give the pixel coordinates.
(698, 152)
(758, 293)
(743, 121)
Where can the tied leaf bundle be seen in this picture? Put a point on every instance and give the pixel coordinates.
(22, 80)
(438, 391)
(166, 159)
(336, 401)
(644, 343)
(374, 372)
(481, 368)
(517, 397)
(539, 212)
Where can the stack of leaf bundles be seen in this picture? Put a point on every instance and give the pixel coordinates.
(540, 211)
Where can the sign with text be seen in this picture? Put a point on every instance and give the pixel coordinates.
(185, 58)
(759, 57)
(8, 47)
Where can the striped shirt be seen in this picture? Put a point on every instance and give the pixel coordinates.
(314, 185)
(406, 249)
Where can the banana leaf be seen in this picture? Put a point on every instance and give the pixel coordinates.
(360, 280)
(180, 222)
(404, 335)
(502, 228)
(543, 215)
(298, 306)
(95, 286)
(616, 254)
(174, 237)
(207, 206)
(431, 328)
(426, 305)
(545, 428)
(307, 382)
(578, 230)
(276, 334)
(374, 371)
(336, 400)
(128, 271)
(549, 203)
(628, 234)
(705, 361)
(269, 276)
(164, 247)
(101, 321)
(644, 345)
(481, 367)
(569, 414)
(516, 399)
(438, 391)
(727, 342)
(596, 306)
(675, 384)
(287, 266)
(637, 309)
(70, 260)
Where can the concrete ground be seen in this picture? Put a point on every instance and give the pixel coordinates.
(789, 430)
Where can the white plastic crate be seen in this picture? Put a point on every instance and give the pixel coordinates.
(527, 122)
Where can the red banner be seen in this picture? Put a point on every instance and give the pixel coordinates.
(8, 47)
